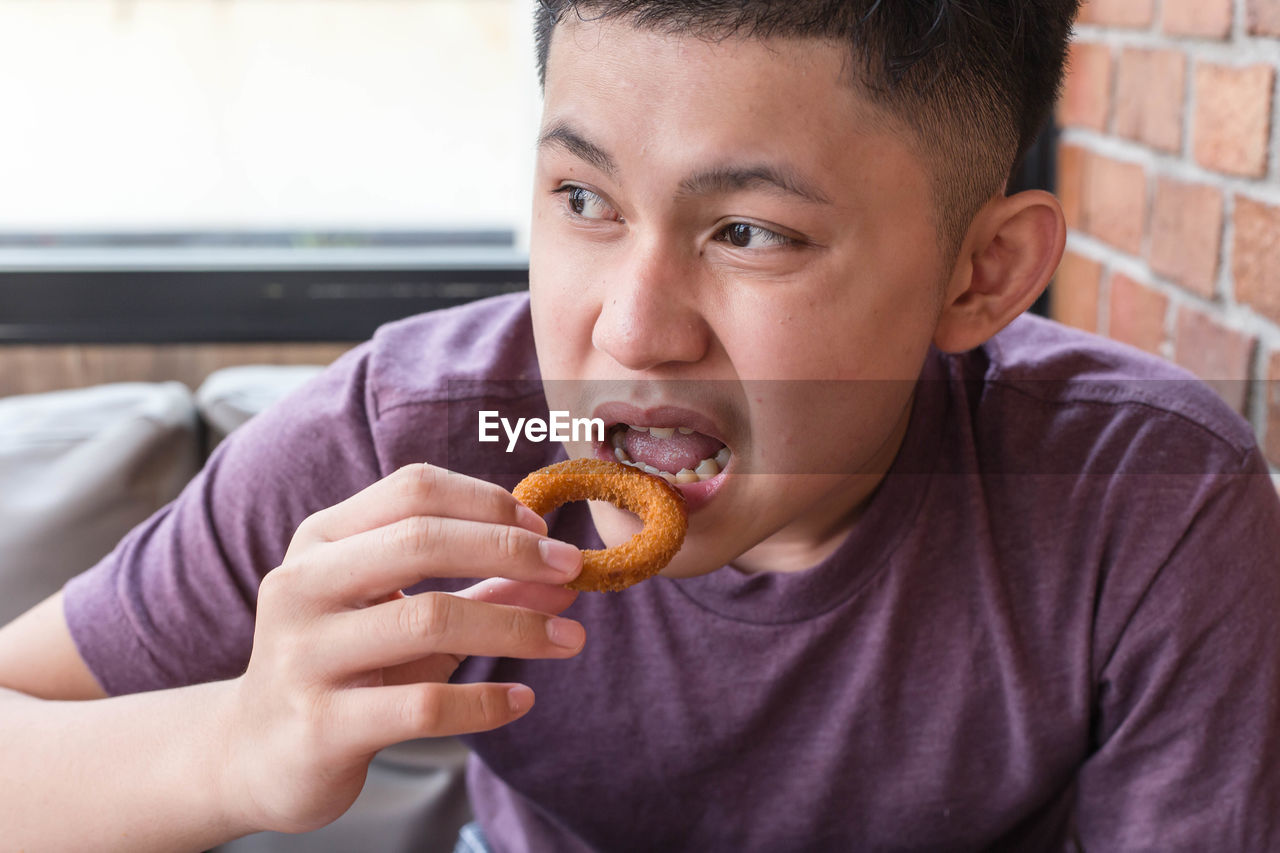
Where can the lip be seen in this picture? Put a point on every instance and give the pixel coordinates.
(697, 494)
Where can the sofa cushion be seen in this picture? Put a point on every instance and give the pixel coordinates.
(79, 469)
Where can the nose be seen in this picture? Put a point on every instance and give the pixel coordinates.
(649, 313)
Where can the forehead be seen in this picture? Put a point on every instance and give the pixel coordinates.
(647, 88)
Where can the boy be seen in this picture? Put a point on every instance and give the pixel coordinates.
(958, 586)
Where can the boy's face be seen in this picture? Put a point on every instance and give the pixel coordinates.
(729, 230)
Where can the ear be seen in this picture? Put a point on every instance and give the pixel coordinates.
(1009, 254)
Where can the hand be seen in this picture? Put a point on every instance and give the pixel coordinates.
(344, 664)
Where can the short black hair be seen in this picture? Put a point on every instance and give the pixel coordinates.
(975, 80)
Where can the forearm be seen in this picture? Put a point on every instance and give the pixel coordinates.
(143, 772)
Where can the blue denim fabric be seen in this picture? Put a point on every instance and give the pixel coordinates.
(471, 840)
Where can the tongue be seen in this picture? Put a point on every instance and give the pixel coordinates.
(670, 454)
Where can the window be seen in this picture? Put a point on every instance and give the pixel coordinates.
(258, 169)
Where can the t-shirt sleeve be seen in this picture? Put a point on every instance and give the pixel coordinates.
(1186, 725)
(173, 603)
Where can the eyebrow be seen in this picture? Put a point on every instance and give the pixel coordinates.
(729, 179)
(721, 180)
(562, 135)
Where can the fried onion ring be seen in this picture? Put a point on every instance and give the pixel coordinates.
(658, 503)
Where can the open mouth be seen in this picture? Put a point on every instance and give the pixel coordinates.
(679, 454)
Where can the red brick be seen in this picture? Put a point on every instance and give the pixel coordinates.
(1137, 314)
(1233, 118)
(1114, 207)
(1255, 254)
(1073, 299)
(1150, 87)
(1204, 18)
(1216, 353)
(1118, 13)
(1273, 409)
(1263, 17)
(1086, 96)
(1071, 163)
(1186, 234)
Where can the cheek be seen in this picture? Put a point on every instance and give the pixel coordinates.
(865, 324)
(795, 336)
(830, 427)
(561, 309)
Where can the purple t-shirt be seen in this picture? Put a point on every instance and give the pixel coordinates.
(1058, 616)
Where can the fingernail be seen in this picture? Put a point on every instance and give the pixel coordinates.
(519, 698)
(565, 632)
(530, 520)
(561, 556)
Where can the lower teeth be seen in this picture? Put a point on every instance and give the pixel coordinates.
(706, 469)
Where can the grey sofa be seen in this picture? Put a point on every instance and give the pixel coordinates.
(79, 468)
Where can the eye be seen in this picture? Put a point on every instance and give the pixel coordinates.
(583, 202)
(743, 235)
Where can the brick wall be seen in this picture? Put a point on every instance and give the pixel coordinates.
(1169, 173)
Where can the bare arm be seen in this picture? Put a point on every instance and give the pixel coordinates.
(37, 656)
(343, 665)
(102, 759)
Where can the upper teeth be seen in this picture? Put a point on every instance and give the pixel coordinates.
(705, 469)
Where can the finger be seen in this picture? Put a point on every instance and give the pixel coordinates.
(376, 717)
(534, 596)
(419, 490)
(436, 623)
(376, 563)
(544, 598)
